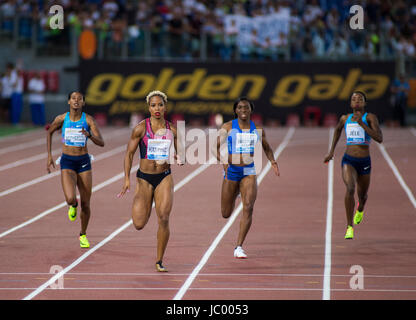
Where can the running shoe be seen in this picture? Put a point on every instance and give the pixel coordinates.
(72, 213)
(350, 233)
(239, 253)
(160, 267)
(83, 241)
(358, 217)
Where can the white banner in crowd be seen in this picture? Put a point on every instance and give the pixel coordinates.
(267, 26)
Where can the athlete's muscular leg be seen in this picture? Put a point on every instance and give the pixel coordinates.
(363, 183)
(248, 188)
(69, 184)
(349, 175)
(142, 203)
(163, 196)
(85, 188)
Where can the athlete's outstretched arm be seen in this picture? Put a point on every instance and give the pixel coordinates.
(56, 124)
(136, 135)
(335, 139)
(269, 152)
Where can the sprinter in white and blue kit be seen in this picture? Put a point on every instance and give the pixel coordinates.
(241, 136)
(77, 127)
(360, 127)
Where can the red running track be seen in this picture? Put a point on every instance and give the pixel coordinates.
(286, 244)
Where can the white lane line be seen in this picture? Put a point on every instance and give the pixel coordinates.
(24, 145)
(44, 155)
(179, 185)
(328, 233)
(31, 159)
(47, 176)
(231, 220)
(36, 142)
(216, 289)
(171, 274)
(22, 134)
(397, 174)
(63, 204)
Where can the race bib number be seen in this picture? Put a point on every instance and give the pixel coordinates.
(245, 142)
(355, 133)
(74, 137)
(158, 149)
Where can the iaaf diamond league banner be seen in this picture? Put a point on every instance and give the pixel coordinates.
(201, 89)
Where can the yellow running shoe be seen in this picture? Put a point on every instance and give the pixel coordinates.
(83, 241)
(358, 217)
(72, 213)
(160, 267)
(350, 233)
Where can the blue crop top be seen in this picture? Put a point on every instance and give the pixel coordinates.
(356, 134)
(240, 141)
(71, 131)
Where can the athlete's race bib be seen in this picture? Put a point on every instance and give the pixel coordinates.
(74, 137)
(158, 149)
(245, 142)
(355, 133)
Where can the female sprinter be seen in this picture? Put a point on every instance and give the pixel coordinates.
(359, 127)
(154, 137)
(241, 135)
(77, 127)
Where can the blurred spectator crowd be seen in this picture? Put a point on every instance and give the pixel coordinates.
(14, 82)
(187, 28)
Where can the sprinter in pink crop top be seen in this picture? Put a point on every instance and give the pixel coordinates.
(157, 139)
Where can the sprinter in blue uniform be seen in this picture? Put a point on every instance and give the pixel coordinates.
(241, 136)
(360, 127)
(77, 127)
